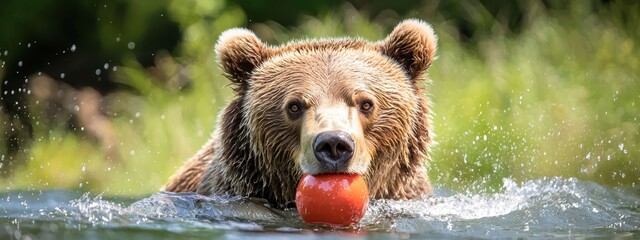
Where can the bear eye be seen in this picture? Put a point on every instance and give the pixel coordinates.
(294, 110)
(366, 106)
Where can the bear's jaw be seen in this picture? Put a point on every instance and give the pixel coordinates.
(313, 167)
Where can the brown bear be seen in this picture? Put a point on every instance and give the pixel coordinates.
(319, 106)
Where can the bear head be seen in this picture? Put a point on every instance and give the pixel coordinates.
(319, 106)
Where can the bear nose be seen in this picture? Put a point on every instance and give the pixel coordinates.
(333, 148)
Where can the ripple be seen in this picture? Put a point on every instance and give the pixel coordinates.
(547, 208)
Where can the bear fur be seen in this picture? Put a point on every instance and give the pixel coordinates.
(287, 95)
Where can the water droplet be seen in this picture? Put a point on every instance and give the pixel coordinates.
(62, 75)
(114, 68)
(131, 45)
(73, 48)
(137, 114)
(450, 225)
(20, 64)
(117, 39)
(106, 66)
(98, 71)
(621, 146)
(76, 108)
(6, 52)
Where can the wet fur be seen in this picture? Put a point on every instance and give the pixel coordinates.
(252, 154)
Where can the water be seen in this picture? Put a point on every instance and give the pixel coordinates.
(543, 208)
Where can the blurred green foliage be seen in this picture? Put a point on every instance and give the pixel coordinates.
(559, 99)
(557, 95)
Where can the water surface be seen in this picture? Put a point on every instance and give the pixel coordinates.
(543, 208)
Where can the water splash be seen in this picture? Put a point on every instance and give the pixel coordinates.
(547, 208)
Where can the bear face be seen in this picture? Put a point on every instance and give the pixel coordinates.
(319, 106)
(329, 93)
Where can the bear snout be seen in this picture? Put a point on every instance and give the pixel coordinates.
(333, 149)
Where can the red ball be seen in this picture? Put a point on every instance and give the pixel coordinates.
(335, 199)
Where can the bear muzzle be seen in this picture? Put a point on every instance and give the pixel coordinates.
(332, 140)
(334, 149)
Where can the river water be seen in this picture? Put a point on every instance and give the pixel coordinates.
(542, 208)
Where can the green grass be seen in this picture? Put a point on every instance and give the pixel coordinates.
(560, 98)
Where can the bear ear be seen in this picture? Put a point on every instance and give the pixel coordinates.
(239, 52)
(413, 44)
